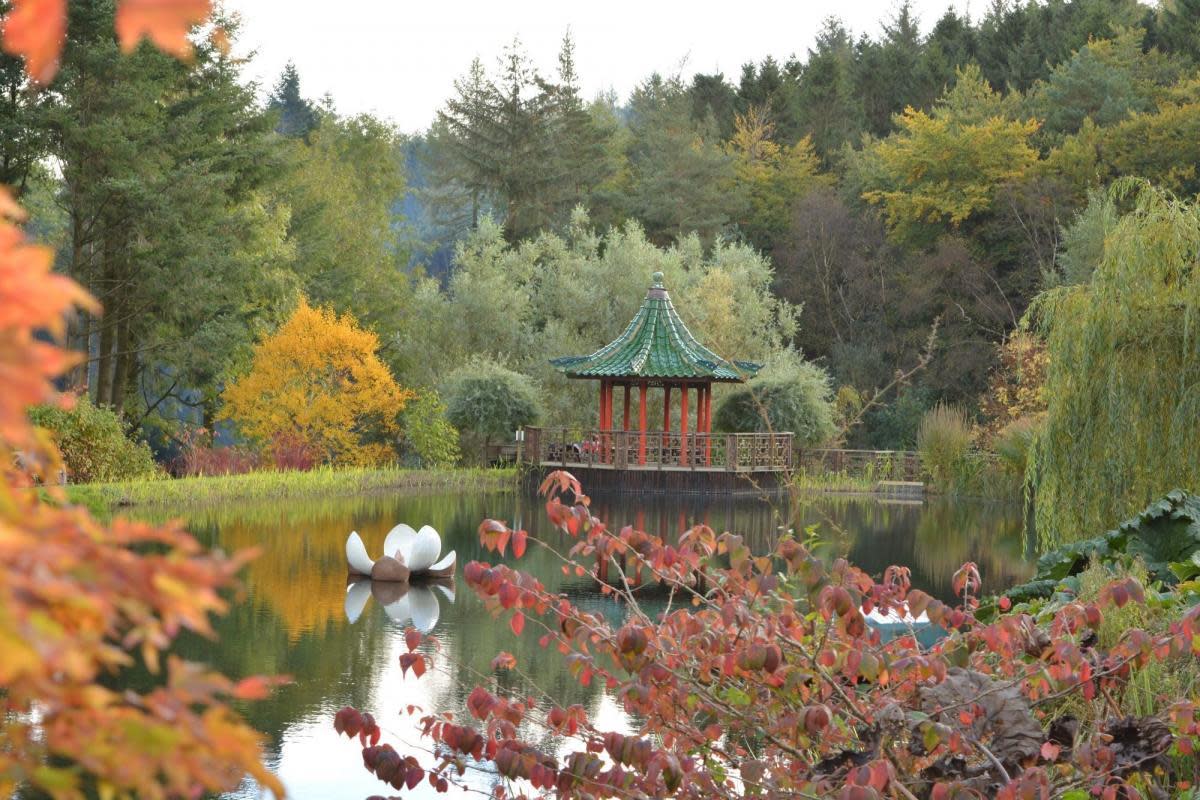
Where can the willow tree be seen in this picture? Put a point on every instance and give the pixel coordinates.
(1123, 383)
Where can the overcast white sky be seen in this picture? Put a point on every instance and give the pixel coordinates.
(399, 59)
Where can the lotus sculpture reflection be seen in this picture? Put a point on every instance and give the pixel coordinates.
(416, 604)
(407, 554)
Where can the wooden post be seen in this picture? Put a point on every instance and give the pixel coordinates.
(605, 419)
(708, 425)
(683, 426)
(642, 390)
(666, 439)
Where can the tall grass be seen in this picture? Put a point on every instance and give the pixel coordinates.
(944, 442)
(820, 480)
(271, 485)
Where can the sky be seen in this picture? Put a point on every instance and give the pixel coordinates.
(398, 60)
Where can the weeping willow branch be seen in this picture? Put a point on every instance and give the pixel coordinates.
(1123, 381)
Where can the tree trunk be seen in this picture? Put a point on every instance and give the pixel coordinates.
(104, 365)
(124, 361)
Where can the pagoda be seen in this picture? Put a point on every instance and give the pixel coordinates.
(656, 350)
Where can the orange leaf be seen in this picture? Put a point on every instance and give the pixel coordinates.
(164, 22)
(504, 661)
(36, 30)
(254, 688)
(517, 623)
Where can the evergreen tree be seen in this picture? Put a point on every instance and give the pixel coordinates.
(523, 145)
(951, 46)
(830, 111)
(297, 116)
(163, 171)
(23, 139)
(580, 157)
(680, 175)
(1175, 28)
(712, 96)
(888, 78)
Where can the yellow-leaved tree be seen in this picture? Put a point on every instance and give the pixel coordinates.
(947, 165)
(320, 378)
(771, 175)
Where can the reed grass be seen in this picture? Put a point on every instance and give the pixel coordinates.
(272, 485)
(819, 480)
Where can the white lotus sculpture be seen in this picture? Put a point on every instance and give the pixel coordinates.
(416, 604)
(406, 554)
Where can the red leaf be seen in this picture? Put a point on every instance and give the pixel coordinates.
(1005, 603)
(504, 661)
(517, 623)
(519, 543)
(36, 30)
(166, 23)
(412, 638)
(1050, 751)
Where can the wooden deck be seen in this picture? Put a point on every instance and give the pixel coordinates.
(659, 450)
(663, 462)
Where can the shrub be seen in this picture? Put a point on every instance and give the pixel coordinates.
(197, 456)
(893, 426)
(794, 397)
(319, 378)
(944, 442)
(770, 681)
(428, 434)
(290, 451)
(93, 443)
(488, 402)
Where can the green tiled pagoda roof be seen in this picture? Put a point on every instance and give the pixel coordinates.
(656, 344)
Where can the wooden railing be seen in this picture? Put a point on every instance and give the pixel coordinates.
(733, 452)
(880, 465)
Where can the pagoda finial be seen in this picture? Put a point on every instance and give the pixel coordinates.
(657, 279)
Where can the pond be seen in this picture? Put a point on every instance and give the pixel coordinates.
(292, 618)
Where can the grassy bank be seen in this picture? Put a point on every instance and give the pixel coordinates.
(325, 482)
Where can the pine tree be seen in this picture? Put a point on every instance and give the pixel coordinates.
(297, 116)
(525, 146)
(831, 112)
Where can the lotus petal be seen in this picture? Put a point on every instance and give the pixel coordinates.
(425, 549)
(447, 590)
(425, 608)
(447, 562)
(400, 538)
(357, 595)
(400, 611)
(356, 555)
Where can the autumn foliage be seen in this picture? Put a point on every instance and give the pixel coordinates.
(763, 678)
(83, 605)
(318, 379)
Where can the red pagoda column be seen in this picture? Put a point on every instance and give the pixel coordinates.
(683, 426)
(642, 390)
(628, 390)
(605, 418)
(707, 405)
(666, 439)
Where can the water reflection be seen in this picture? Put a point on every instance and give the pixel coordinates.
(299, 617)
(404, 603)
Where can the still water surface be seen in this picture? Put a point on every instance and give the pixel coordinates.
(292, 618)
